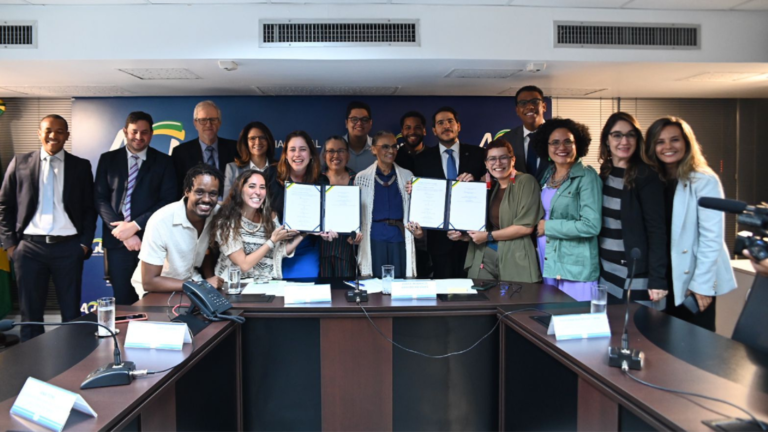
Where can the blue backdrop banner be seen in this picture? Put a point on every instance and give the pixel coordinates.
(98, 123)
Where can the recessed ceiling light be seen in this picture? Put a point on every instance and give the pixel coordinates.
(482, 73)
(161, 73)
(326, 91)
(69, 90)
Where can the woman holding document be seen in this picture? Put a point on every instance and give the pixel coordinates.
(299, 163)
(248, 232)
(572, 199)
(387, 236)
(505, 251)
(337, 254)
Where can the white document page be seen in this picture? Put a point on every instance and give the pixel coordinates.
(427, 202)
(302, 207)
(455, 286)
(342, 209)
(468, 201)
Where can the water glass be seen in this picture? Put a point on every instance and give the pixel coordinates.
(387, 274)
(233, 287)
(599, 298)
(105, 313)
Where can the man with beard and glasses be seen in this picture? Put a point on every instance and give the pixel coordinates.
(47, 222)
(177, 236)
(530, 107)
(132, 183)
(451, 160)
(412, 128)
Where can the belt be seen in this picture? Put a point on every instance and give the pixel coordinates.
(47, 239)
(394, 222)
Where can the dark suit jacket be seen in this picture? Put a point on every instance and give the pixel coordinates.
(155, 187)
(188, 154)
(430, 164)
(515, 137)
(19, 195)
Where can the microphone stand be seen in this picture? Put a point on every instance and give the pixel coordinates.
(118, 372)
(622, 356)
(357, 295)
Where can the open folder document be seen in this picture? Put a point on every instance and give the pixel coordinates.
(312, 208)
(448, 205)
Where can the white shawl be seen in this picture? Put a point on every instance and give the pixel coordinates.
(365, 179)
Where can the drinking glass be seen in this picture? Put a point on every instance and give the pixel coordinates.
(233, 287)
(105, 313)
(599, 298)
(387, 274)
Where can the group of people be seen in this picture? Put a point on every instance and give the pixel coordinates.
(216, 203)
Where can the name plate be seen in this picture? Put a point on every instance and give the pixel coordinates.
(158, 335)
(414, 289)
(48, 405)
(298, 294)
(579, 326)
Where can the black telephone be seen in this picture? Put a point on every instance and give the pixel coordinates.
(205, 297)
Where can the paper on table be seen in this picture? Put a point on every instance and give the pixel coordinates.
(48, 405)
(302, 207)
(301, 293)
(455, 286)
(468, 209)
(158, 335)
(427, 202)
(273, 287)
(342, 209)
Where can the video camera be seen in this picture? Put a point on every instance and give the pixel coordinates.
(753, 216)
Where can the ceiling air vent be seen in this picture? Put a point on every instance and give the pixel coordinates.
(569, 34)
(341, 33)
(18, 34)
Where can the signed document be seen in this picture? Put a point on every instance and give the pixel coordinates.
(302, 208)
(468, 206)
(428, 202)
(342, 209)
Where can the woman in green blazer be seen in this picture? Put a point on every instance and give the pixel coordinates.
(504, 251)
(572, 199)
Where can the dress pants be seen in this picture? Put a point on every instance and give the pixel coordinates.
(121, 264)
(35, 264)
(450, 265)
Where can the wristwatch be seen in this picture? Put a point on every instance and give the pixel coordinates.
(490, 237)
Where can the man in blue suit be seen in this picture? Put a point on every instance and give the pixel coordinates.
(530, 107)
(131, 184)
(208, 147)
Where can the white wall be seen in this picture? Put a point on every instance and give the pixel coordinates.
(447, 32)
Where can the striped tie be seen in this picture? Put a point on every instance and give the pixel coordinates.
(132, 174)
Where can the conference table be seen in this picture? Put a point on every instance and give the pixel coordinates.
(334, 366)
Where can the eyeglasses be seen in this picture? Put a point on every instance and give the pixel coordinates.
(618, 136)
(209, 120)
(449, 121)
(534, 102)
(557, 143)
(337, 152)
(356, 120)
(492, 160)
(257, 138)
(387, 147)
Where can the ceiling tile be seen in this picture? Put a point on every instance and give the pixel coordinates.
(13, 2)
(683, 4)
(570, 3)
(85, 2)
(453, 2)
(753, 5)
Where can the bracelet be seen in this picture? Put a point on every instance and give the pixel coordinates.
(270, 243)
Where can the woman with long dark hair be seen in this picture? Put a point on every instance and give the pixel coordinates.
(248, 232)
(700, 264)
(633, 214)
(299, 163)
(572, 200)
(255, 150)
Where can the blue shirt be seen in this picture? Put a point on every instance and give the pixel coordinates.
(387, 204)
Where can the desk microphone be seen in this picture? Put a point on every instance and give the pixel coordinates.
(623, 357)
(117, 373)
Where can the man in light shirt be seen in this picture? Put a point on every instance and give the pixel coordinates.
(177, 237)
(47, 223)
(359, 123)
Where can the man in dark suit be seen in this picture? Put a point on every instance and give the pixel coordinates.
(208, 147)
(530, 107)
(47, 222)
(413, 127)
(131, 184)
(451, 160)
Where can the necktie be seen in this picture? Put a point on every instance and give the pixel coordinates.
(133, 173)
(49, 180)
(209, 157)
(531, 158)
(450, 168)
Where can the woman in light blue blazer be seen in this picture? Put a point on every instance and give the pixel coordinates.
(700, 263)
